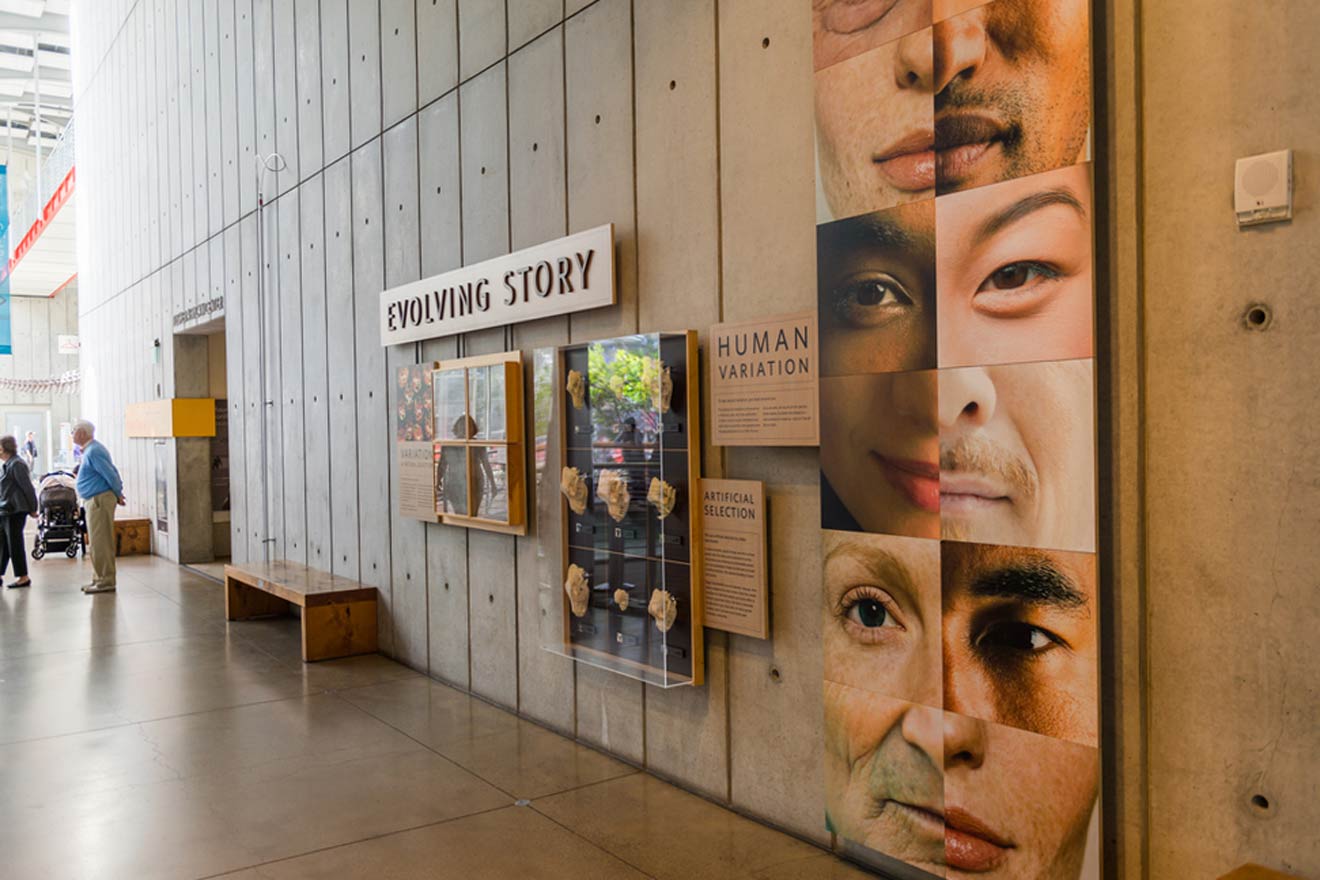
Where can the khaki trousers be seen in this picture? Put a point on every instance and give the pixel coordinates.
(101, 529)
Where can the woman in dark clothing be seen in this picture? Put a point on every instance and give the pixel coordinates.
(18, 501)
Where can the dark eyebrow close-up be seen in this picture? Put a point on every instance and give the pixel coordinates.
(869, 231)
(1032, 582)
(1026, 206)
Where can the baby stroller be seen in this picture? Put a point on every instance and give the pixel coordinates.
(60, 522)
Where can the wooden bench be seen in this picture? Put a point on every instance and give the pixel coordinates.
(338, 614)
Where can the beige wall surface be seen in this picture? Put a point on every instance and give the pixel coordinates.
(419, 137)
(1232, 479)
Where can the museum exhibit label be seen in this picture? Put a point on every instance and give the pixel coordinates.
(618, 433)
(569, 274)
(764, 382)
(413, 436)
(955, 297)
(735, 590)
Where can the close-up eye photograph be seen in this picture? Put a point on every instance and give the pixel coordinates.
(876, 291)
(1014, 270)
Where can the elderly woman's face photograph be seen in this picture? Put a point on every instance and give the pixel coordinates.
(884, 787)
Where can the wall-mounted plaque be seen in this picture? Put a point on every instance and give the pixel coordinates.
(566, 275)
(733, 536)
(413, 434)
(764, 382)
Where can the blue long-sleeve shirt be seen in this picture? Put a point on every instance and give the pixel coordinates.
(98, 473)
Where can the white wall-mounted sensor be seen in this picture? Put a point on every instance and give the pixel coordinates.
(1263, 188)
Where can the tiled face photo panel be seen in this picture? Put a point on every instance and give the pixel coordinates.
(958, 505)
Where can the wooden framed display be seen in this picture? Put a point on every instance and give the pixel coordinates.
(624, 416)
(478, 461)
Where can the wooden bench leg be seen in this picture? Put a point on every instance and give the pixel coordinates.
(244, 602)
(338, 630)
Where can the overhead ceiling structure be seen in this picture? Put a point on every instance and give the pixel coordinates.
(35, 65)
(36, 104)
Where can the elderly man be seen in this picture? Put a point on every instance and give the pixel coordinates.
(101, 488)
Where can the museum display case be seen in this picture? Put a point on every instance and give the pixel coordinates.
(618, 446)
(478, 464)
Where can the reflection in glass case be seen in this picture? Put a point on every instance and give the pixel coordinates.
(478, 457)
(617, 455)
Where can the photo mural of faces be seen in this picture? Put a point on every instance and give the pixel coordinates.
(412, 419)
(955, 290)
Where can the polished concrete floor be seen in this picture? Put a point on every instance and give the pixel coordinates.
(142, 737)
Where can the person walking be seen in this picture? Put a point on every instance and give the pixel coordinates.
(30, 451)
(18, 501)
(101, 488)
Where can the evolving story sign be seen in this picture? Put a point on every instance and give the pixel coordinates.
(570, 274)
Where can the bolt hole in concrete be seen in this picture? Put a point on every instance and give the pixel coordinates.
(775, 674)
(492, 598)
(534, 148)
(598, 119)
(765, 43)
(1257, 317)
(673, 84)
(1260, 802)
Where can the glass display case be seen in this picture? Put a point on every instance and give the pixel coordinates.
(618, 446)
(478, 454)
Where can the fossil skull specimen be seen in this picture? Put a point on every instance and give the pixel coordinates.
(577, 389)
(663, 608)
(663, 496)
(574, 489)
(612, 488)
(621, 599)
(578, 591)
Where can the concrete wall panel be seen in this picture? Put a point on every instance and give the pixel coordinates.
(447, 606)
(307, 34)
(341, 338)
(288, 295)
(373, 439)
(228, 111)
(286, 92)
(364, 70)
(253, 400)
(245, 78)
(398, 60)
(437, 48)
(215, 118)
(529, 19)
(315, 388)
(201, 126)
(235, 302)
(598, 53)
(263, 84)
(483, 112)
(440, 203)
(335, 98)
(481, 35)
(187, 183)
(403, 264)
